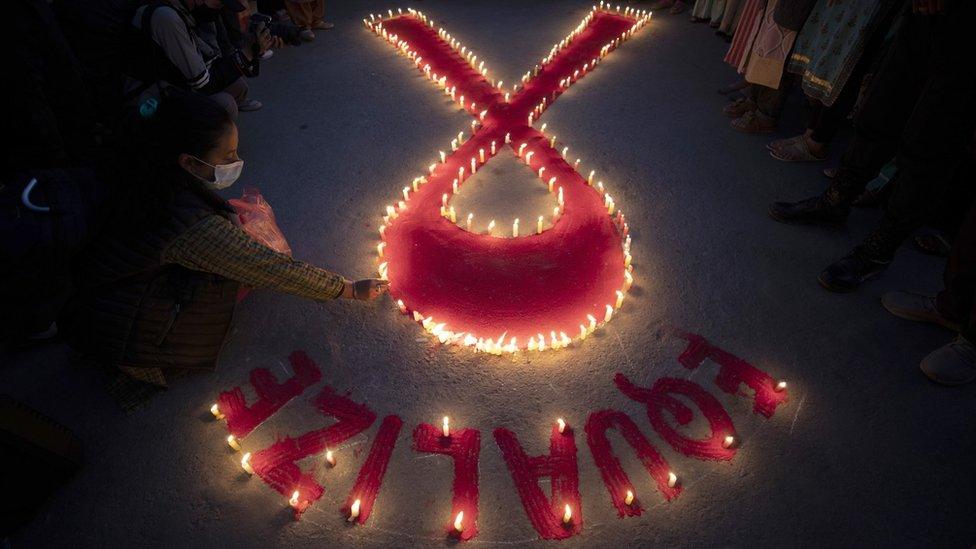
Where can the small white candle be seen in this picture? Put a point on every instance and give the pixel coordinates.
(521, 148)
(481, 155)
(728, 442)
(528, 157)
(544, 126)
(232, 442)
(552, 183)
(515, 228)
(561, 424)
(446, 426)
(454, 144)
(567, 514)
(401, 306)
(492, 147)
(552, 141)
(629, 498)
(565, 150)
(246, 463)
(330, 458)
(491, 225)
(672, 479)
(379, 248)
(460, 137)
(560, 196)
(474, 167)
(444, 200)
(590, 178)
(406, 193)
(592, 320)
(454, 186)
(539, 225)
(353, 511)
(452, 214)
(215, 410)
(620, 299)
(780, 387)
(609, 313)
(508, 137)
(470, 217)
(431, 168)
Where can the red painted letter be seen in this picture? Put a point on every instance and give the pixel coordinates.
(613, 474)
(659, 398)
(560, 465)
(464, 447)
(276, 463)
(733, 372)
(371, 474)
(272, 395)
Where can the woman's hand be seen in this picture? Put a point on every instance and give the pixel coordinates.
(366, 289)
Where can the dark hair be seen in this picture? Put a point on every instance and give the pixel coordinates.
(149, 175)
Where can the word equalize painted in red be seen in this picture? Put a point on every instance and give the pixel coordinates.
(665, 400)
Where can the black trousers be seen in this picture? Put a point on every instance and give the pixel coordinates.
(958, 300)
(921, 110)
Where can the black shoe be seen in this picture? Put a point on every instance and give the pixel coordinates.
(812, 210)
(849, 272)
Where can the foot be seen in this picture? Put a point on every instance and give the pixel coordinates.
(951, 364)
(848, 273)
(322, 25)
(754, 122)
(816, 210)
(917, 307)
(249, 105)
(739, 107)
(800, 149)
(306, 35)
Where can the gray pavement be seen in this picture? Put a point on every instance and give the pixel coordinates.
(867, 452)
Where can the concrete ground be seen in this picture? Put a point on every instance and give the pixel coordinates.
(866, 452)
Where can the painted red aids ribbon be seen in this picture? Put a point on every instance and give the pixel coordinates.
(502, 294)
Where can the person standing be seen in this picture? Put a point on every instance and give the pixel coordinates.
(309, 15)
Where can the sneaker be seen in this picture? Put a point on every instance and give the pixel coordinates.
(951, 364)
(249, 105)
(306, 35)
(917, 307)
(322, 25)
(847, 274)
(816, 209)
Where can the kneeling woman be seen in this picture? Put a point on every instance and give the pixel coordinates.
(156, 291)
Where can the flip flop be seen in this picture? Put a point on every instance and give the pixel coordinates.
(754, 122)
(796, 151)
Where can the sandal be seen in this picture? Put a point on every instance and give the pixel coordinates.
(796, 151)
(781, 143)
(739, 107)
(933, 244)
(754, 122)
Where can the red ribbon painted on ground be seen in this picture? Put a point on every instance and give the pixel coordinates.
(481, 287)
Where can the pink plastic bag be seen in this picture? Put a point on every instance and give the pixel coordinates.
(258, 221)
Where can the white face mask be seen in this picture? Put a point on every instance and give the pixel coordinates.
(224, 174)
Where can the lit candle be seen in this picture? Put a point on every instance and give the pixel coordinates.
(481, 155)
(539, 225)
(401, 306)
(565, 150)
(452, 214)
(470, 217)
(515, 228)
(294, 498)
(592, 320)
(406, 193)
(620, 298)
(454, 144)
(460, 137)
(444, 200)
(544, 126)
(609, 313)
(521, 148)
(233, 443)
(454, 186)
(330, 458)
(672, 479)
(215, 410)
(460, 173)
(582, 332)
(507, 97)
(590, 178)
(459, 522)
(555, 214)
(491, 225)
(508, 137)
(567, 514)
(560, 196)
(431, 168)
(552, 141)
(552, 182)
(492, 147)
(780, 387)
(379, 248)
(577, 163)
(528, 157)
(246, 463)
(629, 498)
(728, 442)
(446, 426)
(561, 424)
(353, 511)
(473, 165)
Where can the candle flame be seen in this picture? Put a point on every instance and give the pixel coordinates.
(354, 510)
(629, 498)
(729, 441)
(561, 424)
(672, 479)
(294, 498)
(246, 463)
(567, 514)
(330, 458)
(446, 426)
(780, 387)
(459, 521)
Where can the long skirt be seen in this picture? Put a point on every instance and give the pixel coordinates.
(305, 13)
(750, 12)
(765, 62)
(733, 9)
(832, 42)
